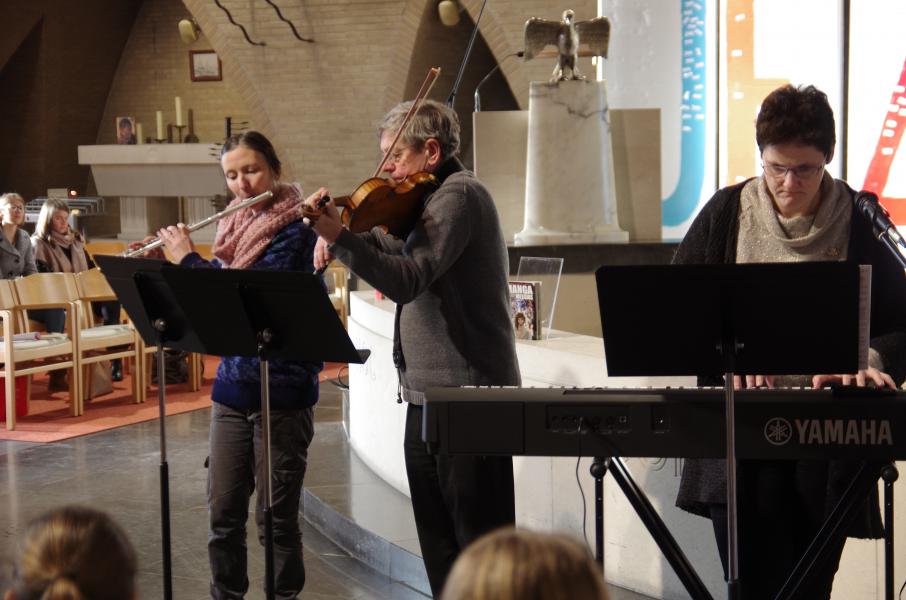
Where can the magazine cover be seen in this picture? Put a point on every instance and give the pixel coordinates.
(524, 306)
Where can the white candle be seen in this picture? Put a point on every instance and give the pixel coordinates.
(178, 111)
(160, 125)
(139, 138)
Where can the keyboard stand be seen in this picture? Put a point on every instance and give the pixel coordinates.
(649, 517)
(840, 519)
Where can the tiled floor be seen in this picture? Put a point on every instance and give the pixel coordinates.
(119, 471)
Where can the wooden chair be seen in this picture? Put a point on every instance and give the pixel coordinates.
(52, 351)
(111, 247)
(205, 251)
(337, 279)
(96, 342)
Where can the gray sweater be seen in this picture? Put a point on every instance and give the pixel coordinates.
(17, 260)
(449, 280)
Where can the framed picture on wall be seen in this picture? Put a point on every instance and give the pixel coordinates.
(204, 65)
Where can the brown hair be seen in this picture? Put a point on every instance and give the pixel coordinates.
(43, 229)
(511, 564)
(75, 553)
(799, 115)
(257, 142)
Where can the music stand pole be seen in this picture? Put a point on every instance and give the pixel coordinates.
(598, 470)
(161, 327)
(264, 338)
(733, 589)
(889, 474)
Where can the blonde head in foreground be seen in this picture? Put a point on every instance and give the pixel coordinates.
(511, 564)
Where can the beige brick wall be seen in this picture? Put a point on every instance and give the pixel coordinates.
(319, 102)
(154, 69)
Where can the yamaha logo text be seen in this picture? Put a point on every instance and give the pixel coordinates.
(829, 432)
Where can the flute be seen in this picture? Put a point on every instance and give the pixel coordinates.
(157, 242)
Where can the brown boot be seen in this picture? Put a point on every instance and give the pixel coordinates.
(58, 381)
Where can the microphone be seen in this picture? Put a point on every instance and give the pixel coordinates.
(520, 54)
(867, 203)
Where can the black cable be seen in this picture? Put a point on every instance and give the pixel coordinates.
(290, 23)
(581, 430)
(582, 495)
(244, 32)
(902, 587)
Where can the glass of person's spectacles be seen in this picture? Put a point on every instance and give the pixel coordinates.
(801, 172)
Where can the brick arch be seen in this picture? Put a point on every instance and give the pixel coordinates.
(412, 14)
(220, 33)
(491, 30)
(319, 102)
(501, 45)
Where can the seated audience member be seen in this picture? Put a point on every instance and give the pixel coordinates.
(16, 256)
(513, 564)
(72, 553)
(58, 248)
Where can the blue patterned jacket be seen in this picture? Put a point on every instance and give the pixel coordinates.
(293, 384)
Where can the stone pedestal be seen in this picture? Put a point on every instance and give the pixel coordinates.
(142, 216)
(570, 196)
(198, 209)
(150, 179)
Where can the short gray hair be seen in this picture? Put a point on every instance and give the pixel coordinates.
(432, 120)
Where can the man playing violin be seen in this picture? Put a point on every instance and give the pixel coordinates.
(448, 278)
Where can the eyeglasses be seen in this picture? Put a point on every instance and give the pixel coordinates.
(15, 207)
(801, 172)
(397, 155)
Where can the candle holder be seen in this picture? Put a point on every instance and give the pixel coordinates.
(157, 141)
(179, 129)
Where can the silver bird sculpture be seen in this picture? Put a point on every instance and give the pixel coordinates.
(566, 35)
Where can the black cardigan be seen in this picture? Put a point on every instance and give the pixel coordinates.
(712, 239)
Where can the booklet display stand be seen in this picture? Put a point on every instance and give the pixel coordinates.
(726, 320)
(547, 271)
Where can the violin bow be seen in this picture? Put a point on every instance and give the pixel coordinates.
(423, 92)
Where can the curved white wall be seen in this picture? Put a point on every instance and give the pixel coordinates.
(547, 493)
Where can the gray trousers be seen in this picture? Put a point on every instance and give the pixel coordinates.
(236, 463)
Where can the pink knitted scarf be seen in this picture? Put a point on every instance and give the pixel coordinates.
(243, 236)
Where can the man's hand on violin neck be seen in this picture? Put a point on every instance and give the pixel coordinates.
(325, 219)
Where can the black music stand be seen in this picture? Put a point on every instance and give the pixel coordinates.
(160, 321)
(726, 320)
(271, 314)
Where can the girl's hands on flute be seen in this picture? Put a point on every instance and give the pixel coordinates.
(177, 241)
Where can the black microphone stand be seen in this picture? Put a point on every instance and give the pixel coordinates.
(465, 59)
(894, 242)
(868, 205)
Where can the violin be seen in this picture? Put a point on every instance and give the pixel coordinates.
(384, 203)
(394, 207)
